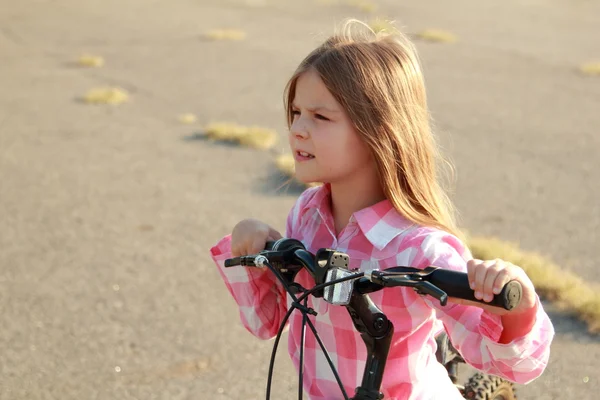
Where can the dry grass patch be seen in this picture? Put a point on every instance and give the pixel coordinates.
(90, 61)
(564, 288)
(187, 118)
(106, 95)
(382, 25)
(225, 34)
(252, 136)
(436, 35)
(592, 68)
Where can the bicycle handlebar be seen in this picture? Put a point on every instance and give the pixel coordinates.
(329, 268)
(451, 283)
(291, 255)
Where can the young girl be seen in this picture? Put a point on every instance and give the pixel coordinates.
(359, 123)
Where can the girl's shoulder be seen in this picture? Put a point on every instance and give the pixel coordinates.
(431, 242)
(429, 234)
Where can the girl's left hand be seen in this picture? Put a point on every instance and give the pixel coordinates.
(487, 278)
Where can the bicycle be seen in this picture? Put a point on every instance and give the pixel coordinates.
(339, 286)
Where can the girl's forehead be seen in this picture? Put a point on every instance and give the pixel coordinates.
(311, 92)
(310, 82)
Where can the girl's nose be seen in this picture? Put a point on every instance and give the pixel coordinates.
(299, 129)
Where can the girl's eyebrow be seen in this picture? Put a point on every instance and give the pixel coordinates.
(318, 108)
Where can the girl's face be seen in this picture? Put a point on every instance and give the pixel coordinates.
(325, 145)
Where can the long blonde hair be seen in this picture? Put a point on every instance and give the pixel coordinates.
(377, 79)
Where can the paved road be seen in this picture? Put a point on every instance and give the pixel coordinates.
(106, 288)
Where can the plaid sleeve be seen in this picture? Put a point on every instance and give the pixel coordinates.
(260, 298)
(475, 333)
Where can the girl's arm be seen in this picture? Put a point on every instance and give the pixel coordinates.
(261, 298)
(477, 334)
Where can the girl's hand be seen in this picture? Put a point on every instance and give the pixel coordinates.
(250, 236)
(487, 278)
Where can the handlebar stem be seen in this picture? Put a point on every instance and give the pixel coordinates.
(376, 331)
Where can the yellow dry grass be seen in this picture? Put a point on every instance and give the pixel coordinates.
(187, 118)
(87, 60)
(562, 287)
(252, 136)
(382, 25)
(106, 95)
(592, 68)
(436, 35)
(225, 34)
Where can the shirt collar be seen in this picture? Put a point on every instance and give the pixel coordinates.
(380, 223)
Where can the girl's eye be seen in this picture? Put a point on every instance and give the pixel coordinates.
(295, 113)
(321, 117)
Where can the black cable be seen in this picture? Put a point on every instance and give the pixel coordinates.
(281, 279)
(274, 351)
(301, 365)
(281, 327)
(314, 330)
(305, 320)
(295, 304)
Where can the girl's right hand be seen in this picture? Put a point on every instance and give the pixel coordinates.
(250, 236)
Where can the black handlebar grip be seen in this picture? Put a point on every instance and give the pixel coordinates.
(456, 284)
(232, 262)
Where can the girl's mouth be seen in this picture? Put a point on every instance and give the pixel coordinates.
(303, 156)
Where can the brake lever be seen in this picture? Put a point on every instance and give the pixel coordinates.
(429, 288)
(410, 278)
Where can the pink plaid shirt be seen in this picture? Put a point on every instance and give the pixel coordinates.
(379, 237)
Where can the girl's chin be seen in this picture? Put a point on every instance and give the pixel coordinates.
(308, 177)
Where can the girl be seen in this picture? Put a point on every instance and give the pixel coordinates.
(358, 122)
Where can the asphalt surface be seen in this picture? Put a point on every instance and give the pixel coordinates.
(107, 212)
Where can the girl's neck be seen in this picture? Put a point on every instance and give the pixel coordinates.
(348, 197)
